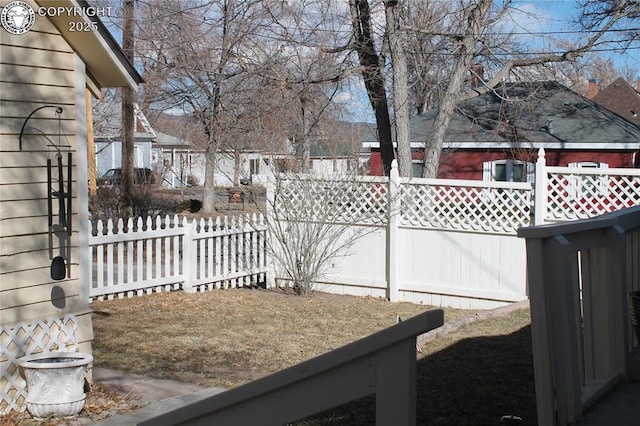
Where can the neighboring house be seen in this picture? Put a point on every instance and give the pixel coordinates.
(108, 140)
(496, 136)
(181, 166)
(338, 150)
(339, 160)
(183, 161)
(44, 68)
(619, 97)
(184, 165)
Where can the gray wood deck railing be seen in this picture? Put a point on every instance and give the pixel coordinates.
(383, 364)
(579, 276)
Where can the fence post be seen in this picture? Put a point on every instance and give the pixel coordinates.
(270, 186)
(392, 233)
(540, 189)
(188, 269)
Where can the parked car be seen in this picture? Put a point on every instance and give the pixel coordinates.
(113, 177)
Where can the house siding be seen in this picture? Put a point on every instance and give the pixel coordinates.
(467, 164)
(39, 68)
(109, 155)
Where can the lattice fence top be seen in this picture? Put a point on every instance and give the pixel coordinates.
(46, 335)
(583, 193)
(357, 201)
(498, 207)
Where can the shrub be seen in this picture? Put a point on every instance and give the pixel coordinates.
(145, 202)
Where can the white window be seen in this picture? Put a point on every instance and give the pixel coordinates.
(416, 168)
(508, 171)
(254, 166)
(137, 156)
(588, 184)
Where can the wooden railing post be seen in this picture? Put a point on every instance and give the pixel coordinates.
(396, 372)
(617, 267)
(564, 320)
(579, 276)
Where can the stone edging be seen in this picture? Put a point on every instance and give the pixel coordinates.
(454, 325)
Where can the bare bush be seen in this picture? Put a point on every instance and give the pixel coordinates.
(145, 202)
(314, 220)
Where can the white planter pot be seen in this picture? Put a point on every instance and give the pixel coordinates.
(55, 383)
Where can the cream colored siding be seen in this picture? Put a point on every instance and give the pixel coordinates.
(37, 68)
(28, 56)
(46, 66)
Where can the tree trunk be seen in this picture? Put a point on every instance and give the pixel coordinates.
(91, 147)
(237, 154)
(209, 190)
(210, 117)
(126, 184)
(465, 55)
(400, 89)
(306, 142)
(373, 78)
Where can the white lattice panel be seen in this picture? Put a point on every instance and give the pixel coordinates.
(52, 334)
(484, 209)
(585, 194)
(337, 201)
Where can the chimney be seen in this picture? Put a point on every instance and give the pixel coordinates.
(477, 75)
(638, 85)
(593, 88)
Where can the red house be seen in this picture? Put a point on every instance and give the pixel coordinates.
(496, 136)
(619, 97)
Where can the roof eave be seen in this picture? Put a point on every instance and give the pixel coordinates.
(625, 146)
(105, 61)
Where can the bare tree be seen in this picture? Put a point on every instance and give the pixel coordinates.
(451, 45)
(373, 75)
(128, 120)
(203, 50)
(425, 25)
(465, 52)
(309, 75)
(598, 16)
(400, 87)
(228, 63)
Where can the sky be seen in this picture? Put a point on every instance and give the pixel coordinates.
(558, 16)
(544, 18)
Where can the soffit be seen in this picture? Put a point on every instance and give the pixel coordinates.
(105, 62)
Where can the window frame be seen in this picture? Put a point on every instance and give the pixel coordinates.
(490, 170)
(581, 187)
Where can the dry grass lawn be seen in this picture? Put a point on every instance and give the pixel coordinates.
(225, 338)
(472, 376)
(229, 337)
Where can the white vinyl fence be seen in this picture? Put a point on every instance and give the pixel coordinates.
(432, 241)
(569, 193)
(175, 253)
(453, 242)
